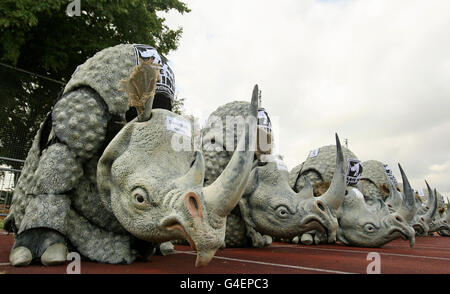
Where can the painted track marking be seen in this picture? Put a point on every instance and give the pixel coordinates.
(365, 252)
(417, 247)
(272, 264)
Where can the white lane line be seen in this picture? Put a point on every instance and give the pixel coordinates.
(180, 252)
(365, 252)
(5, 263)
(417, 247)
(274, 264)
(384, 247)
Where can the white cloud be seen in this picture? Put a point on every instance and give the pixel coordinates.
(375, 71)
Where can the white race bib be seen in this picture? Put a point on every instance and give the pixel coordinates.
(313, 153)
(420, 192)
(280, 164)
(390, 174)
(179, 126)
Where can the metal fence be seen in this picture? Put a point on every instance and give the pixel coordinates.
(8, 181)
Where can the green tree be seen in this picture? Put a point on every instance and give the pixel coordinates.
(39, 37)
(178, 105)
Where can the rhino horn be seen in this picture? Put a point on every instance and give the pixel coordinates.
(394, 197)
(223, 195)
(430, 198)
(336, 192)
(408, 208)
(196, 174)
(307, 191)
(432, 204)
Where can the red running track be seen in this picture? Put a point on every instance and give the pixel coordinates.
(430, 255)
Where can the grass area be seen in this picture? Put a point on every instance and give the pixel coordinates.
(1, 223)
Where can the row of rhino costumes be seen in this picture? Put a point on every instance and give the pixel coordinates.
(103, 179)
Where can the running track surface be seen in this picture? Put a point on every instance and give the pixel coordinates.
(430, 255)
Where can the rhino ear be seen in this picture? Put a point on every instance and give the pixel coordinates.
(252, 182)
(307, 192)
(115, 148)
(370, 200)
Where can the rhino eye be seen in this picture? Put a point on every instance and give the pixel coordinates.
(139, 196)
(282, 211)
(369, 228)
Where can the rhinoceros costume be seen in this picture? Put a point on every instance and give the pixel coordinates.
(269, 207)
(423, 218)
(426, 220)
(441, 221)
(445, 219)
(439, 224)
(109, 194)
(435, 221)
(426, 202)
(376, 183)
(363, 220)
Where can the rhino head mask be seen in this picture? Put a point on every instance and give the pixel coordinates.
(157, 194)
(366, 221)
(272, 207)
(446, 220)
(425, 215)
(439, 224)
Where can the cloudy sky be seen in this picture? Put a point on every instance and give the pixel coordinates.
(377, 72)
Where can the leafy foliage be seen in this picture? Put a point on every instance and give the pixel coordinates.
(177, 105)
(40, 37)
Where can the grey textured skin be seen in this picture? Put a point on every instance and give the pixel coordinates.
(293, 175)
(439, 224)
(140, 161)
(368, 223)
(372, 177)
(56, 187)
(425, 205)
(363, 220)
(217, 158)
(446, 220)
(102, 73)
(425, 214)
(52, 175)
(318, 169)
(214, 138)
(67, 170)
(269, 207)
